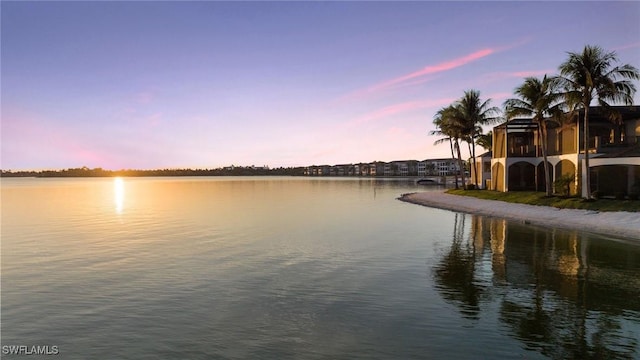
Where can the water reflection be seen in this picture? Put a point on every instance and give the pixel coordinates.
(118, 191)
(558, 292)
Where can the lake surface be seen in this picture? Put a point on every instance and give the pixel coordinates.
(299, 268)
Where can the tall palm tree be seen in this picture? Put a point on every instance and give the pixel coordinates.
(448, 139)
(539, 99)
(449, 125)
(472, 113)
(438, 122)
(591, 75)
(485, 140)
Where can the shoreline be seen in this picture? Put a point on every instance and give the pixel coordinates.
(619, 224)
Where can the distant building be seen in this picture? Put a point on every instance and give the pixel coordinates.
(376, 168)
(444, 167)
(424, 168)
(317, 170)
(389, 169)
(406, 168)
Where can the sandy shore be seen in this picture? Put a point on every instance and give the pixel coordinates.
(618, 224)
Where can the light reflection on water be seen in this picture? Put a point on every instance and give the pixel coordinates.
(118, 193)
(300, 268)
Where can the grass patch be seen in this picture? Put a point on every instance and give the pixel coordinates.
(538, 198)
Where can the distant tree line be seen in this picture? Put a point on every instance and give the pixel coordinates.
(99, 172)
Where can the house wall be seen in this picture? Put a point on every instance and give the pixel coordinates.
(476, 169)
(610, 179)
(565, 167)
(633, 132)
(499, 143)
(610, 171)
(483, 168)
(568, 141)
(497, 176)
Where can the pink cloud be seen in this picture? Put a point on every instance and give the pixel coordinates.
(529, 73)
(37, 142)
(416, 77)
(518, 74)
(398, 133)
(444, 66)
(515, 44)
(627, 46)
(401, 108)
(413, 82)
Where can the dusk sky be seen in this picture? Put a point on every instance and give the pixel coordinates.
(208, 84)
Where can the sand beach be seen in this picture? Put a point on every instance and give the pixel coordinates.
(617, 224)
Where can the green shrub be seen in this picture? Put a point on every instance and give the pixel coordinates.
(562, 185)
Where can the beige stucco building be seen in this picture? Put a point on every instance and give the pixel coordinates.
(614, 153)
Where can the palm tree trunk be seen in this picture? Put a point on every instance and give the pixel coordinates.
(543, 144)
(460, 163)
(473, 161)
(473, 156)
(453, 156)
(587, 182)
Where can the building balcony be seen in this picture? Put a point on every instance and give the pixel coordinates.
(524, 151)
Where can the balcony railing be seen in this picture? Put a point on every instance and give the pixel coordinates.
(524, 151)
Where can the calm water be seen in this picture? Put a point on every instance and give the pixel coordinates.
(295, 268)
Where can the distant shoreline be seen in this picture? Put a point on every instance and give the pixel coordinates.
(238, 171)
(98, 172)
(617, 224)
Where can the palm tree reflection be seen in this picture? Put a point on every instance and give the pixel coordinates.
(455, 273)
(557, 291)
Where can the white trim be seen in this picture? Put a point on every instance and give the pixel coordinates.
(593, 162)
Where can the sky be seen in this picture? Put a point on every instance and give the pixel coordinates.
(207, 84)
